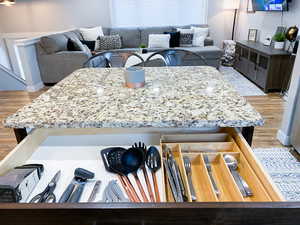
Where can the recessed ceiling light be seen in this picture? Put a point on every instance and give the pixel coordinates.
(7, 2)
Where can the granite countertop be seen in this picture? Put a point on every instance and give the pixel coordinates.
(183, 97)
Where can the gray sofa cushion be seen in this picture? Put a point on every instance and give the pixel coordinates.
(77, 33)
(54, 43)
(145, 31)
(190, 25)
(131, 37)
(106, 30)
(199, 25)
(72, 35)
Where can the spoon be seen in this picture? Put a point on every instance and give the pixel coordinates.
(114, 159)
(232, 164)
(153, 161)
(133, 159)
(142, 147)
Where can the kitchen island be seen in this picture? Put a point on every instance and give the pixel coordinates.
(91, 109)
(173, 97)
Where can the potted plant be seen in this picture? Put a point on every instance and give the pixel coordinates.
(279, 40)
(142, 48)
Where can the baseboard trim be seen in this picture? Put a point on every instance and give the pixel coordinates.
(35, 87)
(283, 138)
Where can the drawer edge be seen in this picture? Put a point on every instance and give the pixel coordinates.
(257, 167)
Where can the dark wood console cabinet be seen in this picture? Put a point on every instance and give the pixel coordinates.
(268, 68)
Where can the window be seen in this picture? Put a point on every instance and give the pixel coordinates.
(157, 12)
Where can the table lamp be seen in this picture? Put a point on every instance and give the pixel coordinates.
(232, 5)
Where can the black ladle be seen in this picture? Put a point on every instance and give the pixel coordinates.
(114, 161)
(142, 147)
(133, 159)
(153, 161)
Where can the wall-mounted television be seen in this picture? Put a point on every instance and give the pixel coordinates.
(270, 5)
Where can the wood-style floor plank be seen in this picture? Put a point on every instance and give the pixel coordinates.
(270, 106)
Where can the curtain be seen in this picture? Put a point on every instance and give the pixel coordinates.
(126, 13)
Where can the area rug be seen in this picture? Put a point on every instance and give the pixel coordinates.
(283, 168)
(243, 86)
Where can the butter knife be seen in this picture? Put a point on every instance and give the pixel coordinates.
(208, 167)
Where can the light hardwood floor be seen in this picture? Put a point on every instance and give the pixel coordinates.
(270, 106)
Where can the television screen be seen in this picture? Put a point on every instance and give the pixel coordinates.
(270, 5)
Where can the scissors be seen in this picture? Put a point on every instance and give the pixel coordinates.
(47, 195)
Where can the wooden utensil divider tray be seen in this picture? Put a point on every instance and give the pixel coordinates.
(215, 150)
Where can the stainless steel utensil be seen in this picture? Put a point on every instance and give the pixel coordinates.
(232, 164)
(188, 169)
(174, 172)
(75, 188)
(171, 181)
(174, 176)
(209, 170)
(113, 193)
(47, 195)
(94, 191)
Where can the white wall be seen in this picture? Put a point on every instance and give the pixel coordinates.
(4, 59)
(284, 134)
(220, 21)
(53, 15)
(266, 22)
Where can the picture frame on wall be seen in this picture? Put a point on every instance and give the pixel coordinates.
(252, 35)
(250, 7)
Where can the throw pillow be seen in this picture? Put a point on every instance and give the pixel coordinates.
(186, 39)
(175, 39)
(185, 31)
(73, 46)
(108, 42)
(54, 43)
(90, 44)
(159, 41)
(91, 34)
(199, 36)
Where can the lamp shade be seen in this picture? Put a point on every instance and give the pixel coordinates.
(7, 2)
(231, 4)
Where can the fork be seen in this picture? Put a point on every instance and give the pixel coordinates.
(188, 170)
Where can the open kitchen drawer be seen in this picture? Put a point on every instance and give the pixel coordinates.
(63, 148)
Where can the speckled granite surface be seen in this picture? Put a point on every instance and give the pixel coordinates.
(185, 97)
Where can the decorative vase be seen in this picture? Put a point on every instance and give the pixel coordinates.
(278, 45)
(134, 77)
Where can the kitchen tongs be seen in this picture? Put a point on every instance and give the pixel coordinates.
(174, 176)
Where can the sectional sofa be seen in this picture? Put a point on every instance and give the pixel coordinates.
(56, 62)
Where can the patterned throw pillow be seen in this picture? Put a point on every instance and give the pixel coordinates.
(186, 39)
(108, 42)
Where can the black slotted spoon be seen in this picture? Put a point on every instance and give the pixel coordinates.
(153, 161)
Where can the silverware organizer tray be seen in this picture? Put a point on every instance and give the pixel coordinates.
(214, 146)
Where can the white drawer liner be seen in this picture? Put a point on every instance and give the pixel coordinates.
(57, 154)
